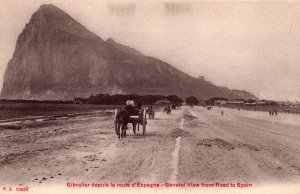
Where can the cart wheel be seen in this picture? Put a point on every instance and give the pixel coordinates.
(144, 121)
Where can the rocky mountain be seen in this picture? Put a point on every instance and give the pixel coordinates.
(58, 58)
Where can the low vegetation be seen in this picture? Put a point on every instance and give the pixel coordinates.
(119, 99)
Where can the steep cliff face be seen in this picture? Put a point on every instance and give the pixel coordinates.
(58, 58)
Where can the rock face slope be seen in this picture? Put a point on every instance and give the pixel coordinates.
(58, 58)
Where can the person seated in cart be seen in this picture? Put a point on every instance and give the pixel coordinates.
(132, 108)
(129, 107)
(127, 111)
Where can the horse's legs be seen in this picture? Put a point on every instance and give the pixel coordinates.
(122, 131)
(152, 115)
(125, 131)
(133, 127)
(119, 128)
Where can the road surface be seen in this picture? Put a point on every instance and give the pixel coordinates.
(191, 145)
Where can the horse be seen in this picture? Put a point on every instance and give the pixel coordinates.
(167, 110)
(121, 122)
(150, 112)
(122, 119)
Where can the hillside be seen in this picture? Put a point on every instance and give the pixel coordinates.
(57, 58)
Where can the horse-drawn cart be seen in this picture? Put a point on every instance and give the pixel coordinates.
(122, 117)
(151, 112)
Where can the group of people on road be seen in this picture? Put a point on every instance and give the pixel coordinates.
(208, 108)
(273, 112)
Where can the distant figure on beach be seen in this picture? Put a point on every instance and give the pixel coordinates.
(222, 113)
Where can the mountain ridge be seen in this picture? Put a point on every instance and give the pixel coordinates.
(58, 58)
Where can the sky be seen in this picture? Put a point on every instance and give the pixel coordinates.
(252, 46)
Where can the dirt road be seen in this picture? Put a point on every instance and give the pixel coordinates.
(192, 145)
